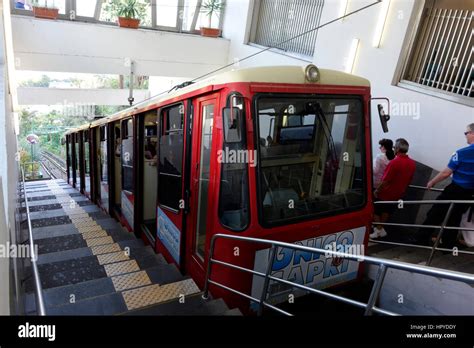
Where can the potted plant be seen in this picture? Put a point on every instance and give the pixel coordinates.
(45, 11)
(128, 14)
(210, 8)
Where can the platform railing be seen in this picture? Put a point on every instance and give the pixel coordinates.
(40, 307)
(443, 227)
(369, 307)
(32, 170)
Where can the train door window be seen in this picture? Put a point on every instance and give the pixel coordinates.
(87, 169)
(69, 157)
(127, 156)
(204, 176)
(150, 177)
(234, 195)
(117, 169)
(103, 155)
(103, 168)
(78, 168)
(171, 155)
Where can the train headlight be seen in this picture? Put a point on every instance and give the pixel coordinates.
(312, 73)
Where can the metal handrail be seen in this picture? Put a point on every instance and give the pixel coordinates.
(426, 188)
(369, 307)
(441, 227)
(36, 277)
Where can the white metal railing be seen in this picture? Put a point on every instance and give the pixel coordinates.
(443, 227)
(40, 307)
(442, 56)
(278, 20)
(384, 265)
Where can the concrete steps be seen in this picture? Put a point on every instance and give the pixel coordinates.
(90, 265)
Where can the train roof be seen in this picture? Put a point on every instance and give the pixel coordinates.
(272, 74)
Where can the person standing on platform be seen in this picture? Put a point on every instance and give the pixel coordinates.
(461, 167)
(383, 158)
(396, 178)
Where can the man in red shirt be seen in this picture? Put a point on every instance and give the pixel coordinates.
(395, 180)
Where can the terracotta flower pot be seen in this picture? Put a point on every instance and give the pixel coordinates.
(44, 12)
(210, 32)
(128, 22)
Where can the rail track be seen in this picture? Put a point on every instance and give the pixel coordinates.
(53, 165)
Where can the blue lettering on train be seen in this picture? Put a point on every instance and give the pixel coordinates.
(305, 266)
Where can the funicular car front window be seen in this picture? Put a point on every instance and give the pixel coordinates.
(311, 152)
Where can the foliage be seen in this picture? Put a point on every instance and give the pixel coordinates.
(211, 7)
(44, 4)
(43, 82)
(125, 8)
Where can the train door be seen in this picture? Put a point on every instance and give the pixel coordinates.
(87, 163)
(103, 179)
(79, 154)
(127, 195)
(170, 183)
(116, 170)
(203, 185)
(69, 159)
(148, 174)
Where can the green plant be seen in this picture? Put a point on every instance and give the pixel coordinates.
(44, 4)
(211, 7)
(129, 9)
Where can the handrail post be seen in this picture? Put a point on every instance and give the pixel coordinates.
(440, 233)
(374, 294)
(266, 281)
(205, 294)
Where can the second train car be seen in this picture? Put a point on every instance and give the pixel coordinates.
(280, 153)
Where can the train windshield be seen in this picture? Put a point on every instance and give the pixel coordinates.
(310, 157)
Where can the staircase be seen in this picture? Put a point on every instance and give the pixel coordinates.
(90, 265)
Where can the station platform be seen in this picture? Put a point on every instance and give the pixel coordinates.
(90, 265)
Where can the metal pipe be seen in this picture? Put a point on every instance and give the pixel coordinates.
(440, 233)
(266, 281)
(419, 246)
(427, 202)
(374, 294)
(422, 226)
(205, 294)
(425, 188)
(40, 307)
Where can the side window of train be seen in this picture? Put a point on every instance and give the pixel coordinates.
(170, 156)
(234, 191)
(103, 154)
(127, 155)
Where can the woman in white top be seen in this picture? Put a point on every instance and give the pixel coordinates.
(381, 161)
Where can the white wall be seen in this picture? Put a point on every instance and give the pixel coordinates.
(65, 46)
(433, 136)
(62, 96)
(8, 171)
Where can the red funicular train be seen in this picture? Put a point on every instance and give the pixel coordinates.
(281, 153)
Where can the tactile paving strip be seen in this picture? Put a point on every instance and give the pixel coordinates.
(153, 294)
(99, 241)
(112, 257)
(131, 280)
(114, 269)
(85, 223)
(76, 220)
(105, 249)
(90, 229)
(94, 234)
